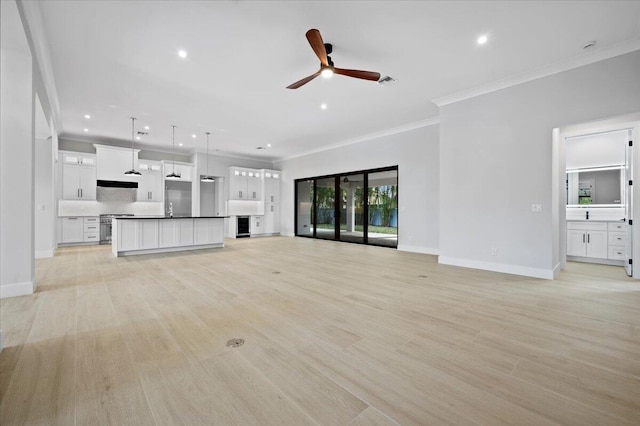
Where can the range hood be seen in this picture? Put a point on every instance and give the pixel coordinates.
(117, 184)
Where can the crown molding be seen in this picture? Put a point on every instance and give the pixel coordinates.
(375, 135)
(545, 71)
(34, 29)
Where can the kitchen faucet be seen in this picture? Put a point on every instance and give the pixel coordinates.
(170, 209)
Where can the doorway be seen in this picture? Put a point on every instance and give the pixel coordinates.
(356, 207)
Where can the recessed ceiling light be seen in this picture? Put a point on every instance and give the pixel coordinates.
(86, 130)
(182, 53)
(268, 145)
(138, 138)
(87, 116)
(146, 127)
(179, 144)
(323, 106)
(483, 39)
(193, 135)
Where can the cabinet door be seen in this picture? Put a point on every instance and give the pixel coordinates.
(256, 225)
(155, 186)
(127, 235)
(207, 231)
(148, 234)
(185, 232)
(237, 186)
(253, 187)
(72, 229)
(168, 233)
(268, 218)
(70, 181)
(144, 192)
(597, 244)
(576, 242)
(87, 183)
(276, 217)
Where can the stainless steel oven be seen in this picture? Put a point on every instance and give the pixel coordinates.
(105, 226)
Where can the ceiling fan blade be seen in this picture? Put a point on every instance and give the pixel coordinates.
(315, 40)
(303, 81)
(365, 75)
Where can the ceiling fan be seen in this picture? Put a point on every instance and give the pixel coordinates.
(327, 69)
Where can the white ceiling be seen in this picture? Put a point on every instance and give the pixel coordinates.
(114, 59)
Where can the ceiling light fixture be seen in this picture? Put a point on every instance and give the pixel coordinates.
(137, 138)
(86, 130)
(193, 135)
(146, 127)
(87, 116)
(268, 145)
(482, 39)
(133, 171)
(182, 53)
(179, 144)
(326, 72)
(323, 106)
(173, 175)
(207, 177)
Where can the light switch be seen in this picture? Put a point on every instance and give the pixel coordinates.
(536, 208)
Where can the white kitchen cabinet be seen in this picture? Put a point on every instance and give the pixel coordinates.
(72, 230)
(587, 239)
(150, 183)
(185, 170)
(175, 233)
(78, 229)
(245, 184)
(112, 162)
(271, 186)
(137, 234)
(78, 177)
(207, 231)
(256, 225)
(272, 218)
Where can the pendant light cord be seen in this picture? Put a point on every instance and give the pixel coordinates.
(173, 149)
(133, 119)
(207, 133)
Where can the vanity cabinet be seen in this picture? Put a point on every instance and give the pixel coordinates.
(587, 239)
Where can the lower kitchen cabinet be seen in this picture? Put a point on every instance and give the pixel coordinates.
(272, 218)
(79, 229)
(207, 231)
(256, 225)
(137, 235)
(175, 233)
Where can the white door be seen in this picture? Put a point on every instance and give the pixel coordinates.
(628, 197)
(597, 244)
(576, 242)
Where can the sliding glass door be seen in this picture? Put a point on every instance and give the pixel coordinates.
(357, 207)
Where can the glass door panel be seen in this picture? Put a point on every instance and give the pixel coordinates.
(304, 198)
(326, 208)
(382, 194)
(352, 208)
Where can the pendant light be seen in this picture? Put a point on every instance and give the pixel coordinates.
(207, 177)
(173, 175)
(133, 171)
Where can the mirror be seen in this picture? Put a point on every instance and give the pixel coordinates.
(595, 186)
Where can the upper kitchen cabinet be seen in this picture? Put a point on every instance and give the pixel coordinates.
(150, 183)
(78, 176)
(271, 186)
(245, 184)
(185, 170)
(114, 161)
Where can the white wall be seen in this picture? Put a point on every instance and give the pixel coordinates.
(17, 266)
(415, 152)
(496, 161)
(45, 214)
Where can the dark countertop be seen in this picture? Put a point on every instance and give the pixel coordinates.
(163, 217)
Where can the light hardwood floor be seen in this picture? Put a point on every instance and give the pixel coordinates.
(336, 334)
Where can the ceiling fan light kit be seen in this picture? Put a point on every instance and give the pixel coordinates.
(327, 69)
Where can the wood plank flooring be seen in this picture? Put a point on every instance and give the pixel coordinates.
(335, 334)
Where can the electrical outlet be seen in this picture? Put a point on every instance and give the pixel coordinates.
(494, 252)
(536, 208)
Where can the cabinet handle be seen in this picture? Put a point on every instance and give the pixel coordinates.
(72, 218)
(588, 238)
(271, 208)
(239, 194)
(81, 193)
(583, 238)
(254, 195)
(272, 200)
(78, 192)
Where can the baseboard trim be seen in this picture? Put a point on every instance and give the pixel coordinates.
(418, 249)
(17, 289)
(546, 274)
(42, 254)
(556, 271)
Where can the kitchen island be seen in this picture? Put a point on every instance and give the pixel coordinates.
(145, 235)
